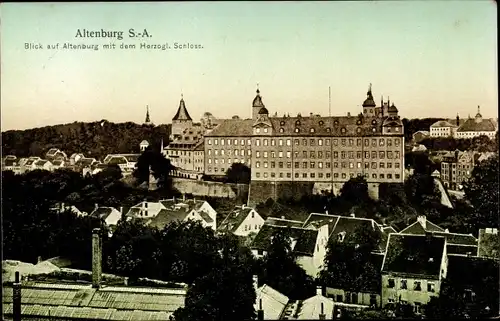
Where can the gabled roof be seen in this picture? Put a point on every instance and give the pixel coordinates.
(282, 222)
(234, 219)
(232, 128)
(102, 212)
(415, 255)
(52, 151)
(132, 157)
(58, 162)
(442, 123)
(10, 162)
(41, 162)
(167, 216)
(117, 160)
(182, 113)
(310, 309)
(273, 302)
(86, 161)
(418, 228)
(485, 125)
(305, 238)
(424, 132)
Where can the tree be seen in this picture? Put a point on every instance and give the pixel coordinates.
(481, 190)
(159, 165)
(238, 173)
(355, 190)
(280, 271)
(226, 292)
(449, 305)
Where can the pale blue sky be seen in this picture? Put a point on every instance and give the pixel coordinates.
(432, 58)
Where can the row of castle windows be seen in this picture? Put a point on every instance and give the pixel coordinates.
(335, 123)
(343, 130)
(312, 165)
(216, 161)
(327, 142)
(328, 154)
(322, 175)
(228, 142)
(228, 152)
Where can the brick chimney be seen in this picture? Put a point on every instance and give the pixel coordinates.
(322, 315)
(96, 258)
(423, 221)
(16, 298)
(260, 312)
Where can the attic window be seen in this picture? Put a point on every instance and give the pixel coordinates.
(297, 123)
(374, 122)
(431, 259)
(297, 130)
(358, 122)
(358, 130)
(336, 123)
(312, 130)
(281, 130)
(374, 129)
(343, 130)
(321, 123)
(328, 130)
(282, 123)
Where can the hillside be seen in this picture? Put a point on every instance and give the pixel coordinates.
(96, 139)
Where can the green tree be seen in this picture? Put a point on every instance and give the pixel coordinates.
(226, 292)
(238, 173)
(280, 271)
(481, 190)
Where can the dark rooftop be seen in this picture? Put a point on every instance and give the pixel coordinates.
(305, 238)
(414, 255)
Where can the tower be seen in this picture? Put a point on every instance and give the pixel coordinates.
(148, 120)
(479, 117)
(181, 120)
(369, 103)
(257, 104)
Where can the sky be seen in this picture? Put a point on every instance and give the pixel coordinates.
(432, 58)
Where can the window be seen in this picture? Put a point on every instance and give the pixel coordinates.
(312, 154)
(381, 142)
(351, 154)
(344, 175)
(209, 142)
(312, 164)
(328, 130)
(313, 175)
(257, 164)
(289, 165)
(249, 142)
(335, 154)
(396, 165)
(381, 155)
(389, 155)
(320, 142)
(358, 130)
(417, 286)
(374, 165)
(265, 175)
(257, 175)
(342, 154)
(265, 164)
(280, 154)
(381, 165)
(320, 154)
(328, 154)
(351, 141)
(282, 123)
(265, 130)
(257, 142)
(273, 164)
(304, 154)
(328, 165)
(312, 142)
(266, 142)
(297, 130)
(297, 123)
(288, 142)
(257, 130)
(221, 141)
(389, 142)
(343, 130)
(335, 142)
(304, 175)
(328, 175)
(431, 287)
(296, 175)
(367, 165)
(359, 164)
(404, 284)
(288, 154)
(296, 142)
(296, 164)
(282, 130)
(374, 175)
(320, 165)
(311, 130)
(374, 155)
(327, 142)
(280, 164)
(351, 165)
(396, 176)
(389, 165)
(390, 283)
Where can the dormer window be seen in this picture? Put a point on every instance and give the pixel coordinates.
(343, 130)
(374, 122)
(282, 130)
(358, 122)
(312, 130)
(297, 130)
(358, 130)
(321, 123)
(297, 123)
(265, 130)
(374, 129)
(336, 122)
(328, 130)
(397, 129)
(257, 130)
(282, 123)
(388, 130)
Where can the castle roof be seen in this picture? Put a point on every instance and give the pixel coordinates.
(483, 125)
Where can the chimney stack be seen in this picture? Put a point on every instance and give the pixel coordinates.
(255, 283)
(322, 315)
(319, 290)
(39, 260)
(260, 312)
(16, 298)
(96, 258)
(96, 206)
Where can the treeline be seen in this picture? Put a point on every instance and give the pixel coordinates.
(479, 144)
(96, 139)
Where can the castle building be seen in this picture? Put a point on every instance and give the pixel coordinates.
(181, 120)
(317, 150)
(477, 126)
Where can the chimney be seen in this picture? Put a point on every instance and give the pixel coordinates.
(183, 197)
(458, 120)
(16, 298)
(322, 315)
(125, 281)
(255, 283)
(260, 312)
(353, 215)
(282, 217)
(39, 260)
(447, 231)
(348, 114)
(326, 211)
(319, 290)
(96, 206)
(62, 207)
(423, 221)
(96, 258)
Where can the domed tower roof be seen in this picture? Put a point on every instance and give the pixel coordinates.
(263, 111)
(369, 102)
(257, 101)
(392, 109)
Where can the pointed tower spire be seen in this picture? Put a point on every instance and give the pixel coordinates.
(148, 120)
(182, 113)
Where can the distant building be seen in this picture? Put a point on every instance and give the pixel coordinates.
(109, 215)
(143, 145)
(43, 164)
(456, 167)
(477, 127)
(419, 148)
(55, 153)
(75, 157)
(420, 136)
(62, 207)
(442, 128)
(269, 303)
(126, 162)
(317, 307)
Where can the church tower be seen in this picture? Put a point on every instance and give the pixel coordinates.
(148, 120)
(181, 120)
(257, 104)
(369, 104)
